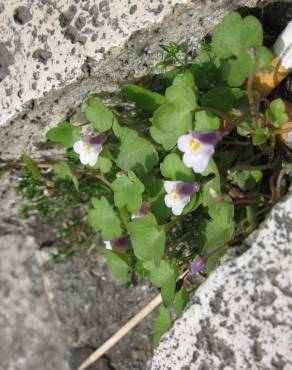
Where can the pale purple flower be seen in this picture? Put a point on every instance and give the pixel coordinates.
(179, 194)
(89, 148)
(142, 211)
(198, 148)
(198, 265)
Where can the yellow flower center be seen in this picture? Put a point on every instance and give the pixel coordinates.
(174, 195)
(194, 145)
(87, 148)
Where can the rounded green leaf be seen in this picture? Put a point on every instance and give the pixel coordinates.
(264, 56)
(117, 262)
(224, 98)
(173, 168)
(162, 324)
(65, 133)
(276, 112)
(144, 98)
(98, 114)
(128, 192)
(136, 153)
(261, 136)
(206, 121)
(102, 218)
(148, 238)
(226, 36)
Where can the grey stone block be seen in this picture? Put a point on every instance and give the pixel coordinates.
(30, 337)
(240, 318)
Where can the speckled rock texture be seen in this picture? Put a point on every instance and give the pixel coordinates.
(53, 316)
(240, 318)
(50, 60)
(30, 337)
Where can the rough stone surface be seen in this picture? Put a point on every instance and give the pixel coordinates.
(30, 337)
(49, 66)
(240, 318)
(78, 303)
(92, 305)
(52, 55)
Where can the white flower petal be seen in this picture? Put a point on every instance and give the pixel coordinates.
(170, 185)
(108, 244)
(201, 162)
(168, 200)
(189, 158)
(183, 142)
(84, 157)
(92, 158)
(178, 207)
(78, 146)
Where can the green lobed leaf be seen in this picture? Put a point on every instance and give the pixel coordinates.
(224, 99)
(174, 117)
(32, 167)
(234, 35)
(244, 128)
(235, 71)
(264, 56)
(102, 218)
(246, 180)
(65, 133)
(180, 301)
(276, 112)
(261, 136)
(206, 121)
(98, 115)
(184, 78)
(173, 168)
(128, 192)
(103, 164)
(148, 238)
(162, 324)
(160, 275)
(164, 277)
(63, 170)
(136, 153)
(144, 98)
(206, 70)
(237, 37)
(218, 230)
(118, 263)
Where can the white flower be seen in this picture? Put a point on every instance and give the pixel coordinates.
(89, 148)
(108, 244)
(179, 194)
(198, 149)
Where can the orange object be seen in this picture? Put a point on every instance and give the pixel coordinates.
(282, 63)
(266, 82)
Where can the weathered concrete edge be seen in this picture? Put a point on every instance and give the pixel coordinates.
(219, 328)
(134, 60)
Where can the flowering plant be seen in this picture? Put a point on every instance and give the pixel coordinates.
(186, 171)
